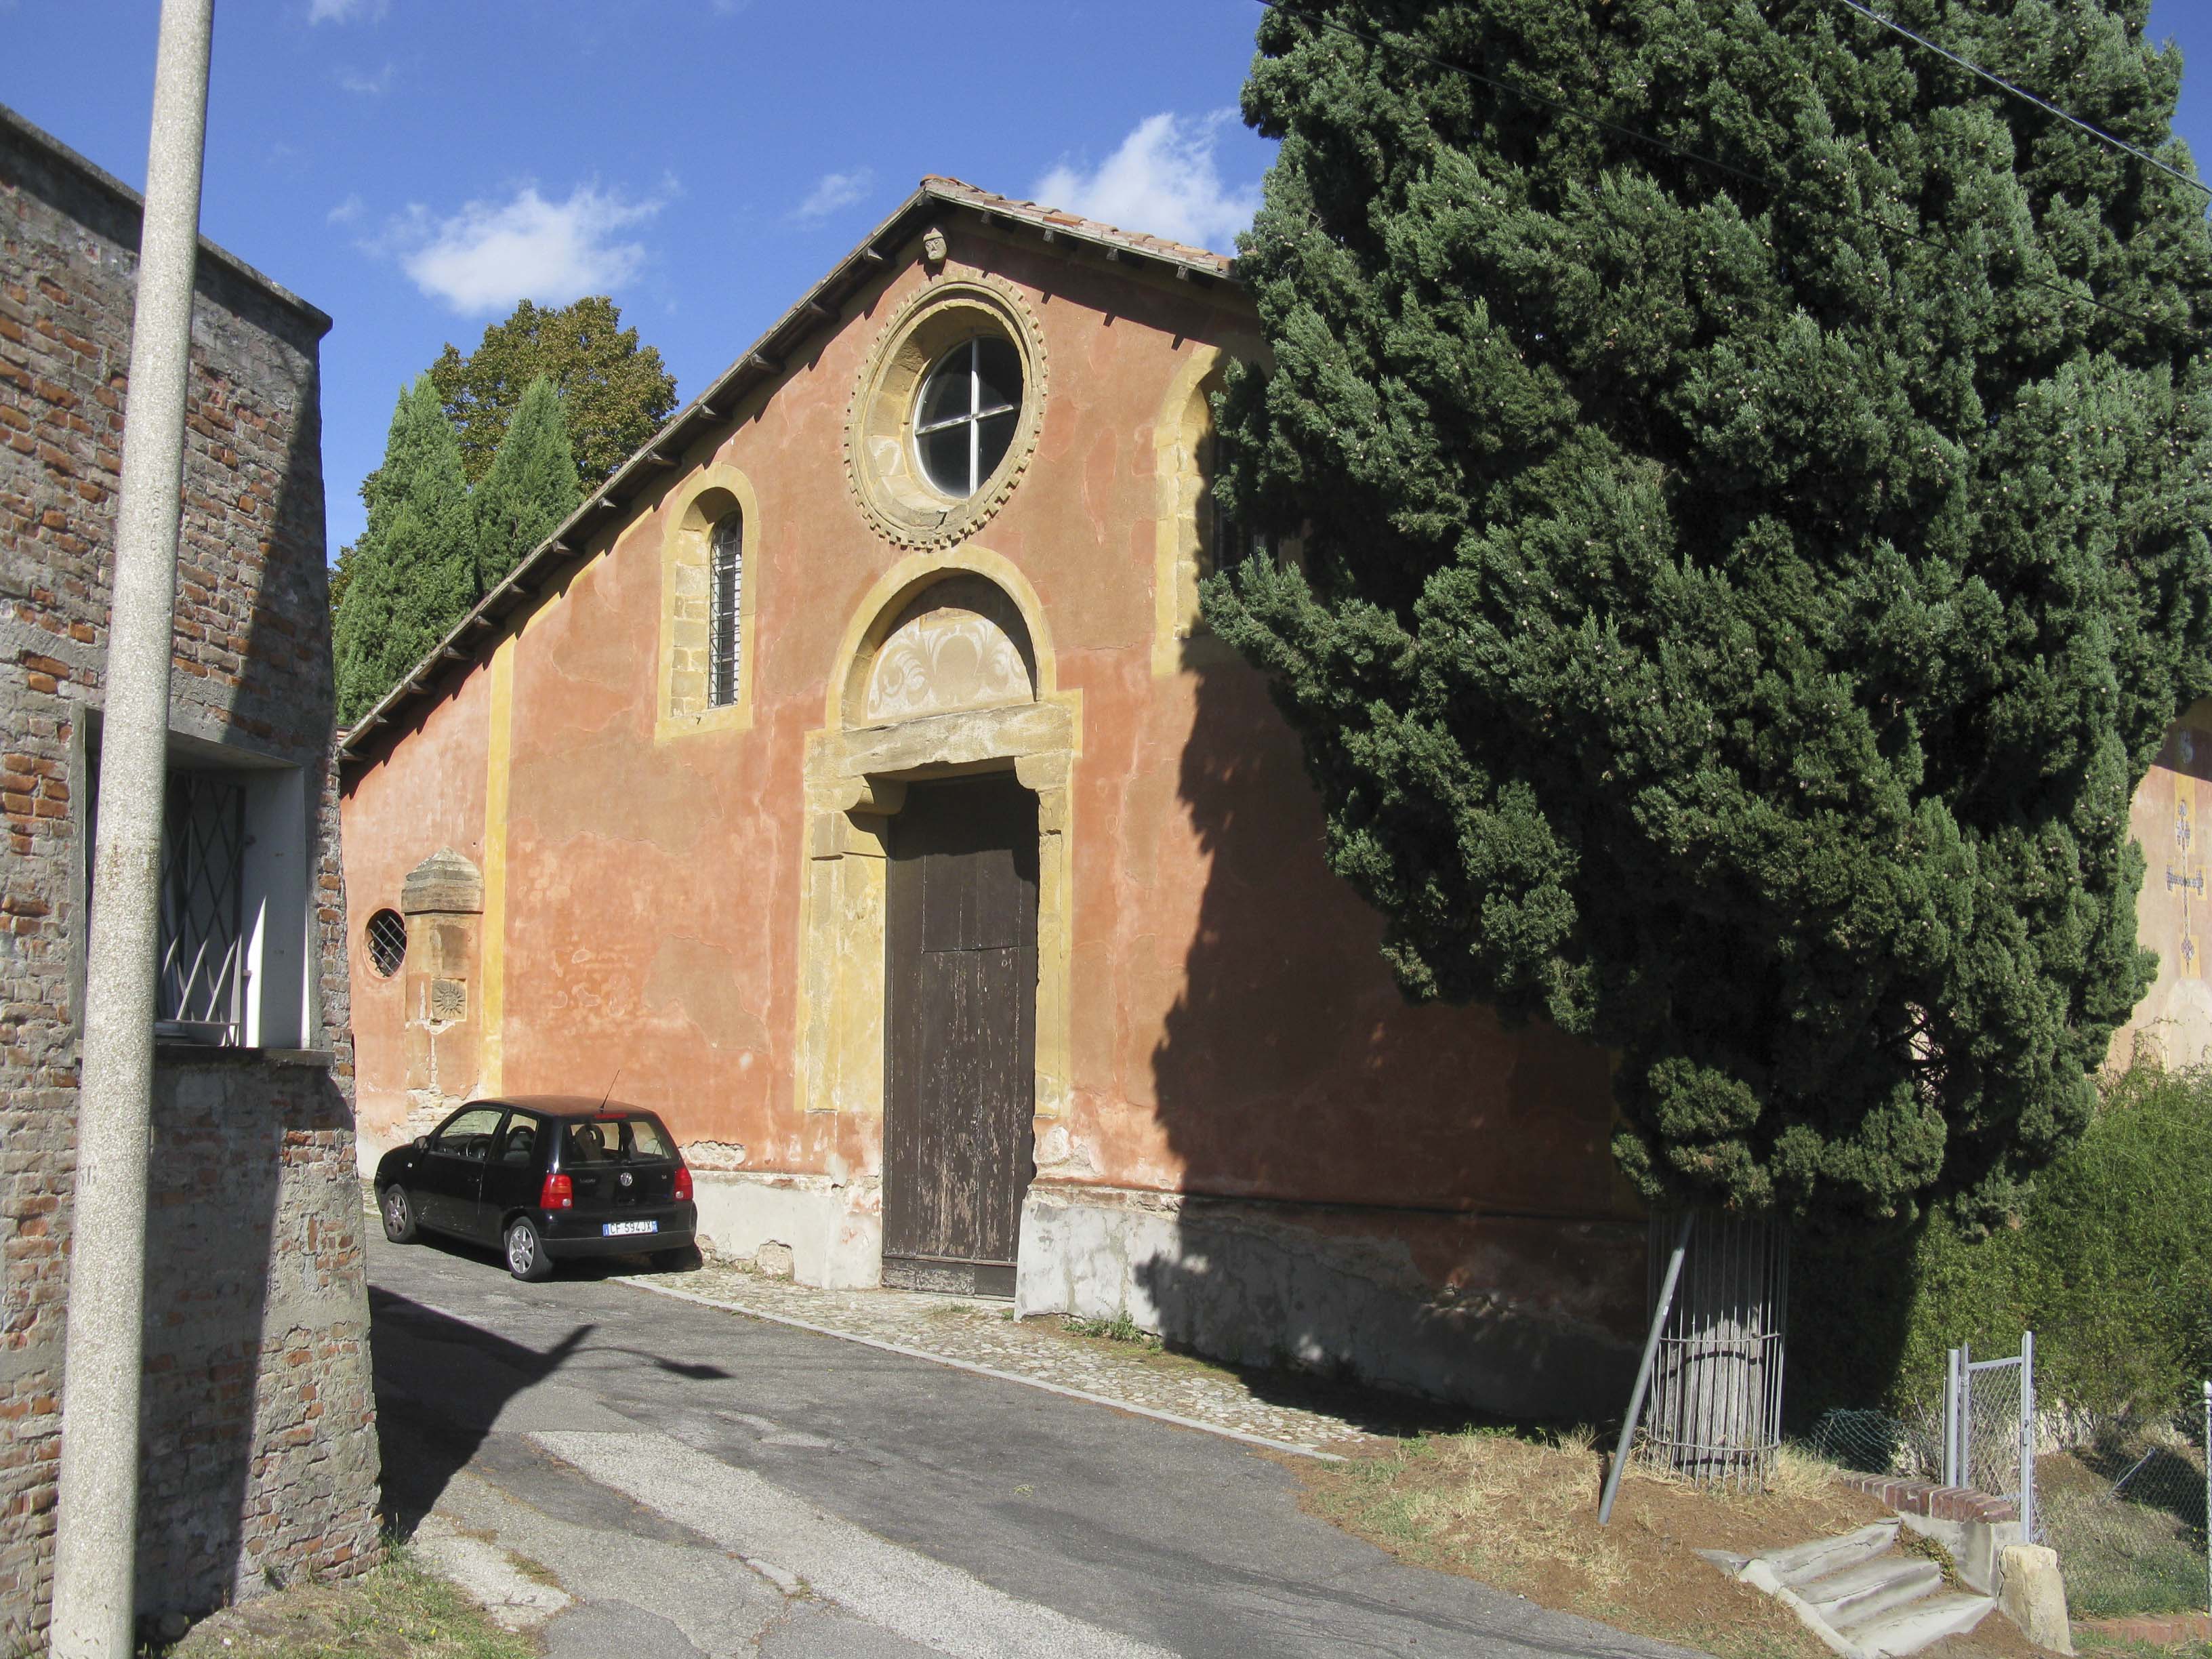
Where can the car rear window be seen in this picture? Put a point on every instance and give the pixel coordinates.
(615, 1139)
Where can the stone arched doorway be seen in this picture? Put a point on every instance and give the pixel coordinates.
(947, 743)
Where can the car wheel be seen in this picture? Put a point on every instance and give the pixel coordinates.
(525, 1251)
(681, 1260)
(398, 1214)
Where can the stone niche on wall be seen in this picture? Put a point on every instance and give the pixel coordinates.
(442, 900)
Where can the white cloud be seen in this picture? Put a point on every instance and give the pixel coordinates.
(1163, 181)
(345, 11)
(346, 211)
(353, 80)
(834, 191)
(491, 254)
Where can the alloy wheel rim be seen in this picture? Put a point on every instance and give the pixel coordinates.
(395, 1208)
(518, 1250)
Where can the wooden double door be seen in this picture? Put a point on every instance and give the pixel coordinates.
(960, 1034)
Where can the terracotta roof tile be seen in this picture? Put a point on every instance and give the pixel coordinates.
(1220, 264)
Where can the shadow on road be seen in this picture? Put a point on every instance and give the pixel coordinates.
(442, 1382)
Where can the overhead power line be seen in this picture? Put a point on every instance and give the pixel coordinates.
(2043, 104)
(1779, 185)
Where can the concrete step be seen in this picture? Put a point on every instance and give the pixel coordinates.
(1919, 1624)
(1802, 1563)
(1859, 1595)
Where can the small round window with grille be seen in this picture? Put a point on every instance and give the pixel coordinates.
(387, 942)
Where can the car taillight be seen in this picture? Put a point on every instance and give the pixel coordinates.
(559, 1193)
(684, 1184)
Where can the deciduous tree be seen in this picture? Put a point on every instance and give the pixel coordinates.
(614, 391)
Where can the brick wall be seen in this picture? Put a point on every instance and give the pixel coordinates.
(259, 1456)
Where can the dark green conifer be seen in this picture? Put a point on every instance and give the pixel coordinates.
(413, 571)
(531, 487)
(1739, 596)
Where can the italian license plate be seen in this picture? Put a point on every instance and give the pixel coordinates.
(616, 1229)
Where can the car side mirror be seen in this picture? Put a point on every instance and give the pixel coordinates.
(421, 1143)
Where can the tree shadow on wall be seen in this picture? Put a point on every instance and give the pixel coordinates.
(1291, 1068)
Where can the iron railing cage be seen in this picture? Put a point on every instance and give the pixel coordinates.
(200, 991)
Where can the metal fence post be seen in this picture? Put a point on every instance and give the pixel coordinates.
(1643, 1370)
(2027, 1437)
(1950, 1417)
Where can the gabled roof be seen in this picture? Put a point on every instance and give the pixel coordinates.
(761, 363)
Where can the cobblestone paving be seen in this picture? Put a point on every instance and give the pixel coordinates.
(1044, 1349)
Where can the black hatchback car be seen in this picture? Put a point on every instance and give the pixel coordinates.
(545, 1177)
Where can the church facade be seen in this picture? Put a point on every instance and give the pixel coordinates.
(853, 782)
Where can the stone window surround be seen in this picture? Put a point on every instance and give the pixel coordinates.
(1182, 439)
(882, 466)
(856, 779)
(708, 496)
(282, 1003)
(1185, 522)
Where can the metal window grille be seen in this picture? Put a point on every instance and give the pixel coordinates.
(201, 990)
(387, 942)
(1715, 1411)
(729, 557)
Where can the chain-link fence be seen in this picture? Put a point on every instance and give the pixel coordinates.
(1876, 1442)
(2123, 1501)
(1989, 1425)
(2124, 1504)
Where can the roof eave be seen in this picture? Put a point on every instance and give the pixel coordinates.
(763, 360)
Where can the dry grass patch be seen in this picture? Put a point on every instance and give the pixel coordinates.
(1519, 1510)
(399, 1610)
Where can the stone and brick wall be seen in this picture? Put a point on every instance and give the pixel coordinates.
(259, 1452)
(1925, 1498)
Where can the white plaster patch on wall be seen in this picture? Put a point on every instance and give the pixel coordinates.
(714, 1154)
(1060, 1154)
(832, 1230)
(1242, 1283)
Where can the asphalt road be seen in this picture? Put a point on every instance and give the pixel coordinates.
(641, 1476)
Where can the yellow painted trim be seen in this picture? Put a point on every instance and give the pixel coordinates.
(499, 748)
(683, 559)
(873, 621)
(855, 782)
(1181, 640)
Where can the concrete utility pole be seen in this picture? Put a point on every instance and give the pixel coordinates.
(95, 1545)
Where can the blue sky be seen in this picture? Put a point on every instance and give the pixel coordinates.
(415, 167)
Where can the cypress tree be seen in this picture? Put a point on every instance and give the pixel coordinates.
(530, 487)
(413, 571)
(1739, 595)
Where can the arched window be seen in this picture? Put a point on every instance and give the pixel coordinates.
(727, 575)
(1228, 541)
(387, 938)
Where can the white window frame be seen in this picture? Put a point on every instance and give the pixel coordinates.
(725, 614)
(974, 415)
